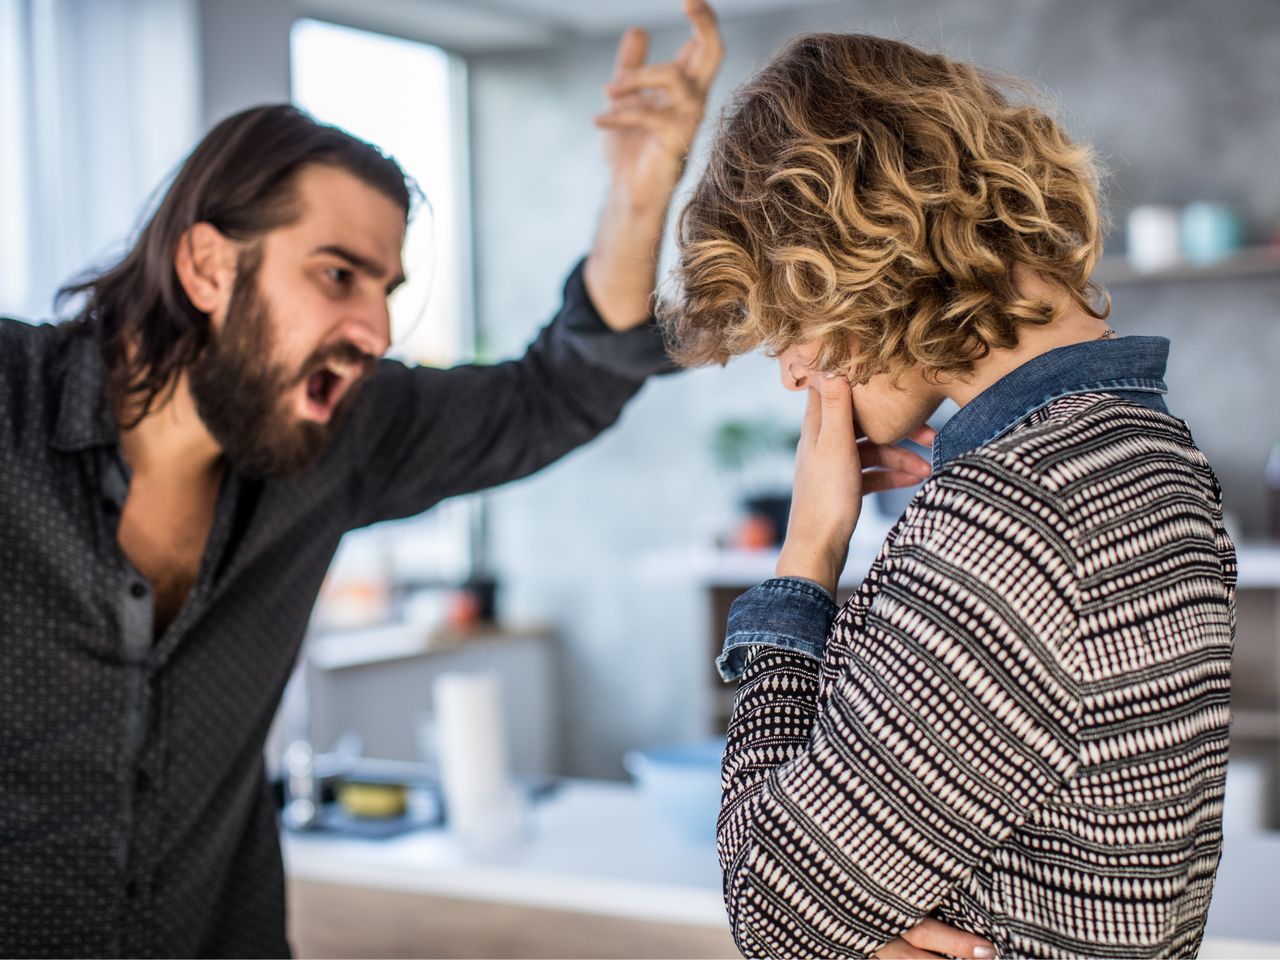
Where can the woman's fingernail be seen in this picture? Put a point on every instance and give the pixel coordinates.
(984, 952)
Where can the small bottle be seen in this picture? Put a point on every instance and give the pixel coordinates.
(302, 793)
(1272, 482)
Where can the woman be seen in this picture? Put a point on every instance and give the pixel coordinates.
(1018, 723)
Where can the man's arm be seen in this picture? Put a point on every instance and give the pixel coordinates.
(422, 435)
(948, 720)
(653, 115)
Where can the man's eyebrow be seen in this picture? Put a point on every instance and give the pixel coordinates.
(363, 264)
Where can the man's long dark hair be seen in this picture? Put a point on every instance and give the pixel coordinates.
(240, 179)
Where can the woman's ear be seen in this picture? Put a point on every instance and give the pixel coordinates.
(205, 262)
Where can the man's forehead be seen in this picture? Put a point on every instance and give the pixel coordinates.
(337, 208)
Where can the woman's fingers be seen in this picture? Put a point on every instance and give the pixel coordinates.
(837, 433)
(812, 419)
(893, 458)
(877, 481)
(899, 949)
(931, 934)
(923, 435)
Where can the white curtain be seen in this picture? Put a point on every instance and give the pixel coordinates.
(99, 101)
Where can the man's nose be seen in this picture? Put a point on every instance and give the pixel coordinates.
(370, 329)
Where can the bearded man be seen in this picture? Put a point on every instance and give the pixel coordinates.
(179, 462)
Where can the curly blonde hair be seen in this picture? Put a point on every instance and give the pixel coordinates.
(878, 199)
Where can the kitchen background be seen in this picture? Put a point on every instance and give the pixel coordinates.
(608, 564)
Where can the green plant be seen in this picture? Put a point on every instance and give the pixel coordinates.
(736, 443)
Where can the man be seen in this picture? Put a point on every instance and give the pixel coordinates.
(178, 464)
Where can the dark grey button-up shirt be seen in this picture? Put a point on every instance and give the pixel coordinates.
(135, 819)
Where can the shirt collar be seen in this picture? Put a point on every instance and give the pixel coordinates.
(1129, 365)
(86, 416)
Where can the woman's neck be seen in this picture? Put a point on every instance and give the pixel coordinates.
(1071, 325)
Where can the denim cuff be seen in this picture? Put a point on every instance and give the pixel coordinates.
(790, 613)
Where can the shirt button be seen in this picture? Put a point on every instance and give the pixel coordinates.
(138, 590)
(142, 781)
(131, 889)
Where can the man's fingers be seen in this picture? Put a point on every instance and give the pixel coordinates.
(660, 76)
(701, 55)
(931, 934)
(632, 49)
(641, 119)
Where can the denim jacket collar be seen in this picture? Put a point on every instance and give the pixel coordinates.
(1132, 367)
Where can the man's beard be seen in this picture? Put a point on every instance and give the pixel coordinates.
(242, 396)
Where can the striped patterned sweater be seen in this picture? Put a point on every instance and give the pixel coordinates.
(1020, 722)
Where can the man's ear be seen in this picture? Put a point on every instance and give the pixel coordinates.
(205, 261)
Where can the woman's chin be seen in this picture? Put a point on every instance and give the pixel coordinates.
(882, 433)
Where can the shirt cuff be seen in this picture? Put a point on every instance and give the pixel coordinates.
(633, 354)
(791, 613)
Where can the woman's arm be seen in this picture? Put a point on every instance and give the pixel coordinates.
(947, 720)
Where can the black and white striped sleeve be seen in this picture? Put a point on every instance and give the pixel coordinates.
(948, 713)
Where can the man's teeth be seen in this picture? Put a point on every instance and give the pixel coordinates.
(343, 371)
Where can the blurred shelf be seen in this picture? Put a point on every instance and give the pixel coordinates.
(1258, 562)
(359, 647)
(1251, 262)
(1259, 565)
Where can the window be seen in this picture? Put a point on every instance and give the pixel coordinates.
(408, 99)
(15, 296)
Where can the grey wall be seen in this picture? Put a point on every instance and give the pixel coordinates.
(1179, 99)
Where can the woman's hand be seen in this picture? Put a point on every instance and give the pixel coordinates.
(932, 938)
(834, 468)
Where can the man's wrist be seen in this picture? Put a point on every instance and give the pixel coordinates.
(642, 206)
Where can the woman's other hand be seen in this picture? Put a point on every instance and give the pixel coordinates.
(932, 938)
(834, 468)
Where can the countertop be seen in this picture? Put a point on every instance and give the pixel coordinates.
(597, 847)
(592, 846)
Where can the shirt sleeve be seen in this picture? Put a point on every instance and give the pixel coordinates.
(421, 434)
(791, 613)
(859, 792)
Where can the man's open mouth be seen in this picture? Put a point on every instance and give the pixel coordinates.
(327, 385)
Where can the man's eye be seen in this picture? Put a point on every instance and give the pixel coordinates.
(339, 275)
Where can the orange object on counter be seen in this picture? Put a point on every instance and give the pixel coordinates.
(755, 532)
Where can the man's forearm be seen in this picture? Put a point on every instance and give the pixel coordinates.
(622, 268)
